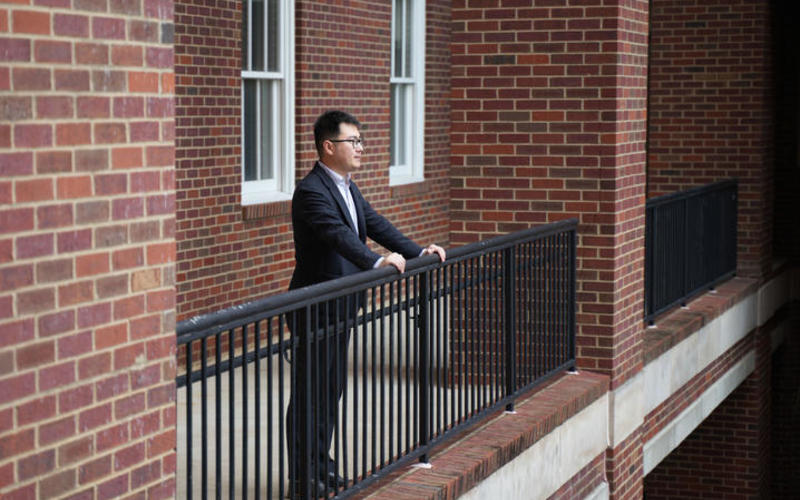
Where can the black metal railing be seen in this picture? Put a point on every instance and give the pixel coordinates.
(690, 244)
(428, 353)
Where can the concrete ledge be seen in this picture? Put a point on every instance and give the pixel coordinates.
(672, 435)
(673, 327)
(554, 433)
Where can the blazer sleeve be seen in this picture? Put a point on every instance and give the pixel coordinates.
(316, 210)
(384, 233)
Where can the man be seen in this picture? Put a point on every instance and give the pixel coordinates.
(331, 221)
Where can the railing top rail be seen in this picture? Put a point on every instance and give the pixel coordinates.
(214, 322)
(691, 192)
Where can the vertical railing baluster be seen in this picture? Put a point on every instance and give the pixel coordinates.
(190, 430)
(204, 417)
(439, 336)
(356, 407)
(270, 402)
(323, 345)
(257, 408)
(571, 330)
(451, 339)
(281, 421)
(340, 344)
(684, 238)
(548, 304)
(509, 332)
(381, 350)
(480, 356)
(423, 378)
(390, 410)
(497, 331)
(364, 389)
(373, 362)
(344, 466)
(410, 345)
(244, 412)
(474, 317)
(463, 372)
(305, 416)
(231, 416)
(218, 415)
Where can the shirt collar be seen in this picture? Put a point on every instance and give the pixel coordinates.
(337, 178)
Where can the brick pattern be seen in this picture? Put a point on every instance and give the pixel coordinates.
(625, 468)
(549, 123)
(728, 454)
(87, 339)
(710, 110)
(339, 64)
(681, 399)
(584, 482)
(735, 437)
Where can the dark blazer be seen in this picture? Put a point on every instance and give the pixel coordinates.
(326, 244)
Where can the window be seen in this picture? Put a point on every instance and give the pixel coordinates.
(408, 92)
(267, 100)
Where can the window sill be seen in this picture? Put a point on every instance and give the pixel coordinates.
(268, 209)
(417, 187)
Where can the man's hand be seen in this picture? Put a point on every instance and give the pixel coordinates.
(435, 249)
(394, 259)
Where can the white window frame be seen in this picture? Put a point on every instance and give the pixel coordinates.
(281, 186)
(414, 110)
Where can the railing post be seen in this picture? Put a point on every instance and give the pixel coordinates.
(573, 264)
(509, 332)
(189, 478)
(302, 414)
(423, 375)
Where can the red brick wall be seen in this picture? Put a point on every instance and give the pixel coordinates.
(87, 250)
(710, 110)
(549, 108)
(221, 258)
(625, 468)
(548, 124)
(586, 481)
(342, 59)
(727, 456)
(667, 411)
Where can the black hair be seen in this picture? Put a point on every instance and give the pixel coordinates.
(327, 126)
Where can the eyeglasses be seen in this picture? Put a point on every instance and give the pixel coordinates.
(354, 142)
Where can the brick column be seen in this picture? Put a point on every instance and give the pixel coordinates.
(87, 340)
(710, 110)
(549, 105)
(548, 123)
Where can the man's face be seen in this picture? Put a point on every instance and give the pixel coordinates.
(344, 157)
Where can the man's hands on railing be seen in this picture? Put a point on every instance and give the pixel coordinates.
(394, 259)
(431, 249)
(399, 262)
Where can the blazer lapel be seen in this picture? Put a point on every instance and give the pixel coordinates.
(358, 201)
(337, 196)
